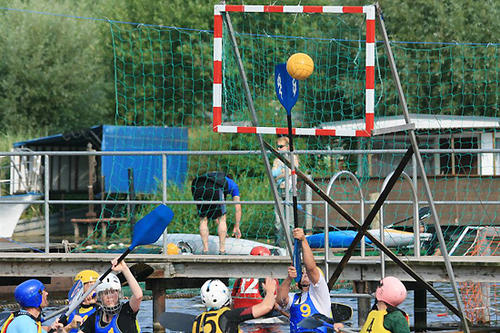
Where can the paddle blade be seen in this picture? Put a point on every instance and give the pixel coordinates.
(341, 312)
(297, 263)
(140, 272)
(287, 88)
(177, 321)
(315, 321)
(148, 229)
(76, 291)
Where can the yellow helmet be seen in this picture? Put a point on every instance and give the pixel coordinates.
(173, 249)
(87, 275)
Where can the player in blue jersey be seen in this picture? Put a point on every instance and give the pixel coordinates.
(32, 298)
(314, 296)
(215, 186)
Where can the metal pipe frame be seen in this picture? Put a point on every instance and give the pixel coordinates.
(414, 143)
(327, 222)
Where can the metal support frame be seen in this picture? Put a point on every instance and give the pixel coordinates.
(416, 231)
(413, 139)
(405, 267)
(327, 223)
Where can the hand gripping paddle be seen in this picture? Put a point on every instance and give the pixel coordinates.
(146, 231)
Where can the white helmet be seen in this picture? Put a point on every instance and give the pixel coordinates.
(110, 282)
(214, 294)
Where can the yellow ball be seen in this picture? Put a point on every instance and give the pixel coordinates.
(173, 249)
(300, 66)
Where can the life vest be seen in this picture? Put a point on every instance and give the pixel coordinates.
(82, 311)
(112, 327)
(299, 311)
(375, 321)
(209, 321)
(247, 292)
(17, 314)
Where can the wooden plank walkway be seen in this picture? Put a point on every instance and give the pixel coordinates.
(432, 269)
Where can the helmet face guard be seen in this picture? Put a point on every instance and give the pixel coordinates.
(109, 300)
(109, 294)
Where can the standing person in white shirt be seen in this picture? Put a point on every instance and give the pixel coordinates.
(314, 296)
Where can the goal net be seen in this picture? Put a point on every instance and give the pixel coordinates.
(481, 301)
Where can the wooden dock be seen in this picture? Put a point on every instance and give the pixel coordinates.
(477, 269)
(190, 271)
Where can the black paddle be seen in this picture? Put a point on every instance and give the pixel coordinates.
(177, 321)
(140, 271)
(341, 312)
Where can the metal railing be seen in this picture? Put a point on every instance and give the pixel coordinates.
(164, 154)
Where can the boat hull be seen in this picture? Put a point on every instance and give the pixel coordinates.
(11, 212)
(234, 246)
(344, 238)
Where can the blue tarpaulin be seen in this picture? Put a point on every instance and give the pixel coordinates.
(147, 170)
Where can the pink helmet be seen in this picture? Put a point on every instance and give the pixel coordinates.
(260, 251)
(391, 291)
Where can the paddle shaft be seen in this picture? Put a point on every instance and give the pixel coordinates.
(374, 240)
(297, 244)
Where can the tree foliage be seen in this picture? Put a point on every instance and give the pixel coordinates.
(57, 72)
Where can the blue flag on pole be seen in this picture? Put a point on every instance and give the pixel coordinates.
(287, 88)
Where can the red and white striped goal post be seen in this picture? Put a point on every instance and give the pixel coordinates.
(369, 12)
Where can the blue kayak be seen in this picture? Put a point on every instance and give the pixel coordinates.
(336, 239)
(343, 238)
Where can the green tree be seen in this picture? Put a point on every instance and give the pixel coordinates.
(51, 75)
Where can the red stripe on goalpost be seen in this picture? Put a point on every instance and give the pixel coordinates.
(370, 31)
(246, 130)
(283, 130)
(313, 9)
(273, 9)
(217, 110)
(234, 8)
(370, 77)
(217, 26)
(363, 133)
(370, 120)
(217, 71)
(352, 9)
(331, 132)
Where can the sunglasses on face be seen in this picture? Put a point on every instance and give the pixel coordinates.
(281, 146)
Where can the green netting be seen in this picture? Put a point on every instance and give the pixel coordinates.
(164, 78)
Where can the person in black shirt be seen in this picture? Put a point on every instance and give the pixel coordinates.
(219, 317)
(114, 316)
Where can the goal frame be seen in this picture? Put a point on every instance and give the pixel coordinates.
(369, 12)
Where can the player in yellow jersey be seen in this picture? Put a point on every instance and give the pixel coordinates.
(385, 317)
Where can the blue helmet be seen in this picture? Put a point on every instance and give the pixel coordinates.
(29, 293)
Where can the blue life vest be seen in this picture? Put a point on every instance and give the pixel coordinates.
(83, 312)
(299, 311)
(111, 327)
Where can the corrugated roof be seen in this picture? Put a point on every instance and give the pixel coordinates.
(421, 121)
